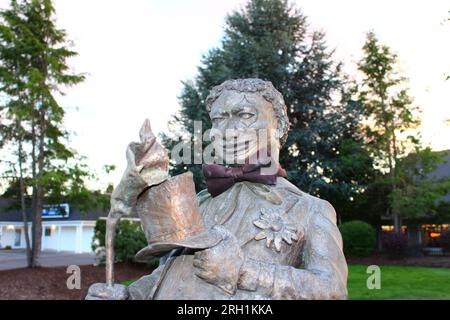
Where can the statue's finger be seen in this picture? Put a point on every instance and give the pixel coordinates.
(146, 133)
(198, 264)
(200, 255)
(202, 274)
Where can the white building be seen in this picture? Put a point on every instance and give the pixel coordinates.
(69, 232)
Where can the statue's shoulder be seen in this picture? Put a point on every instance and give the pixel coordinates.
(317, 207)
(323, 210)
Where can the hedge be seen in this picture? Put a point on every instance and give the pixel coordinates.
(359, 238)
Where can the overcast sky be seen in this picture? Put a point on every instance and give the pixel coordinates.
(137, 52)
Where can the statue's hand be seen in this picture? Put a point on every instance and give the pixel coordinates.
(220, 264)
(148, 164)
(149, 158)
(101, 291)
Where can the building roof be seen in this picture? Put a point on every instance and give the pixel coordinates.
(15, 215)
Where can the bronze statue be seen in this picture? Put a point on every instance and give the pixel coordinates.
(251, 235)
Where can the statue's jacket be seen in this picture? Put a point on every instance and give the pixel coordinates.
(298, 255)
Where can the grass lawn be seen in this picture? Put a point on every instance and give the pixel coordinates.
(398, 282)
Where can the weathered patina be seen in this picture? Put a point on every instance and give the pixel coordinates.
(275, 241)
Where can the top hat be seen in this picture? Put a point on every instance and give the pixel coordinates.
(171, 218)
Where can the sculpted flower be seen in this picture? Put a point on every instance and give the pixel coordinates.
(276, 228)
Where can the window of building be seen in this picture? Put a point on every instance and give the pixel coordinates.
(390, 228)
(48, 231)
(431, 234)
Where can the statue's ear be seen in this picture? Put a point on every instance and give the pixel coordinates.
(276, 137)
(277, 134)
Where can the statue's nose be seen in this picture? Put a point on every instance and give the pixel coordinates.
(236, 127)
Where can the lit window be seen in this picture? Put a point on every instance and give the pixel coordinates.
(435, 234)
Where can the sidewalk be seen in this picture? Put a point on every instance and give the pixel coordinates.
(14, 259)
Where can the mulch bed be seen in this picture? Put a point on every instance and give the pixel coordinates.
(422, 261)
(50, 283)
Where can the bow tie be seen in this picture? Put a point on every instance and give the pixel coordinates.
(220, 178)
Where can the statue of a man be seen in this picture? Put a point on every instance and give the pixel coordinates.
(277, 241)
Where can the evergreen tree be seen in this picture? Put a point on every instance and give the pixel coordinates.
(389, 115)
(323, 154)
(33, 68)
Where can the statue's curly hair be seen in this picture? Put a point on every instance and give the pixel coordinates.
(266, 89)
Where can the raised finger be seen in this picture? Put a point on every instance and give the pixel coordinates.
(198, 264)
(201, 255)
(146, 133)
(203, 274)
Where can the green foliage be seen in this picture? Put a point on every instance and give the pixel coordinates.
(269, 39)
(359, 238)
(68, 183)
(128, 241)
(404, 177)
(34, 69)
(388, 108)
(417, 192)
(99, 238)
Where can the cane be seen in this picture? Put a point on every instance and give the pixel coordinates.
(111, 224)
(147, 165)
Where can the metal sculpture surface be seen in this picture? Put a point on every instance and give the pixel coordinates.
(254, 235)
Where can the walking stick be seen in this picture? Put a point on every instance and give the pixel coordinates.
(111, 224)
(147, 165)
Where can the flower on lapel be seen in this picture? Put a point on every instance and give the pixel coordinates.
(276, 228)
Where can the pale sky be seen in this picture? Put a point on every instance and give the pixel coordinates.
(137, 52)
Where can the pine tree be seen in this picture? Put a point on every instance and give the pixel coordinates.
(33, 68)
(269, 40)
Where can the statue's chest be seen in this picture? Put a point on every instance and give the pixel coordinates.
(266, 231)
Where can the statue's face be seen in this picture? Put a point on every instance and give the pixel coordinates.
(242, 120)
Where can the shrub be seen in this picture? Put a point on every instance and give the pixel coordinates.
(128, 241)
(99, 234)
(394, 244)
(444, 240)
(8, 247)
(359, 238)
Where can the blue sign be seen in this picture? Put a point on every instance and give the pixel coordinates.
(56, 211)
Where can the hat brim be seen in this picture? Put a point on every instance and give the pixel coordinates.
(202, 240)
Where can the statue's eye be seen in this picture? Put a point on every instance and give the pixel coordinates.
(246, 115)
(217, 119)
